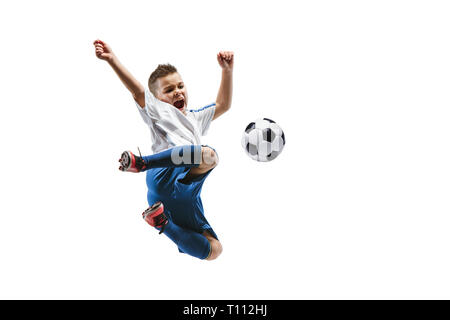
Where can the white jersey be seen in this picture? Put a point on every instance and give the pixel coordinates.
(169, 127)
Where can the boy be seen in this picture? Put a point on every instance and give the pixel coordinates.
(180, 164)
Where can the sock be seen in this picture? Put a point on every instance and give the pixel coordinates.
(190, 242)
(180, 156)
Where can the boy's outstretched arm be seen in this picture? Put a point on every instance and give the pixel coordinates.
(223, 101)
(103, 51)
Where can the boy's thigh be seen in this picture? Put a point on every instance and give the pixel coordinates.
(196, 172)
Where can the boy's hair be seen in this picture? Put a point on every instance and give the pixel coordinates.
(161, 71)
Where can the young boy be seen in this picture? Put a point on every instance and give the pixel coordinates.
(180, 164)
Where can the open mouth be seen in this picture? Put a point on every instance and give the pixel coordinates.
(179, 104)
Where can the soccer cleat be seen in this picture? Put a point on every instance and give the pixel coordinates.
(131, 162)
(155, 216)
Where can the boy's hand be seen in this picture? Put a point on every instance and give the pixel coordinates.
(226, 60)
(103, 51)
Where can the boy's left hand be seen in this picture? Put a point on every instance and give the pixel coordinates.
(226, 60)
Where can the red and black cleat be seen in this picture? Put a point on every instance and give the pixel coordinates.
(131, 163)
(155, 216)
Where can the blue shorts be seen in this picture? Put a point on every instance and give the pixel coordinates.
(181, 199)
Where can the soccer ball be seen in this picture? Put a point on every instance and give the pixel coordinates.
(263, 140)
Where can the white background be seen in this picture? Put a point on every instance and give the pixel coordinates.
(356, 207)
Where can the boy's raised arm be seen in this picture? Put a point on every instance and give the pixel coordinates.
(223, 100)
(103, 51)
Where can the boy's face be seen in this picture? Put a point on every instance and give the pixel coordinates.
(171, 89)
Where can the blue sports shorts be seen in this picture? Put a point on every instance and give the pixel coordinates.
(181, 199)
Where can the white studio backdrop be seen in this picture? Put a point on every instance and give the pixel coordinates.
(356, 206)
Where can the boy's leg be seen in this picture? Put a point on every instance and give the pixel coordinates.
(190, 242)
(181, 156)
(202, 246)
(199, 158)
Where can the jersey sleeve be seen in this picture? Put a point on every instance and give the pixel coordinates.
(204, 117)
(150, 112)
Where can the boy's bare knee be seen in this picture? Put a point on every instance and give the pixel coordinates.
(216, 250)
(209, 158)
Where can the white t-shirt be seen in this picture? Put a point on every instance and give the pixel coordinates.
(169, 127)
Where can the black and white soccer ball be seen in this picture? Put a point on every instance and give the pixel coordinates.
(263, 140)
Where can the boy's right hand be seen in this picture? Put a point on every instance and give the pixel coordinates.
(103, 51)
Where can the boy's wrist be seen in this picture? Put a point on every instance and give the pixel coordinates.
(112, 59)
(227, 71)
